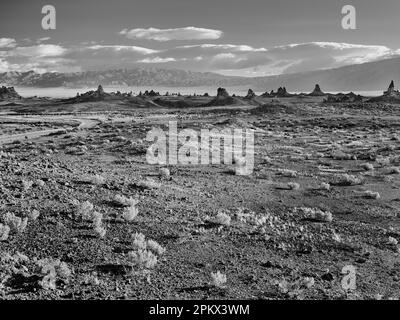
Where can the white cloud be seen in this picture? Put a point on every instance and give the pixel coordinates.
(156, 60)
(41, 50)
(136, 49)
(7, 43)
(187, 33)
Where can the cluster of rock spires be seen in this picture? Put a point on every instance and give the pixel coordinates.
(343, 97)
(9, 93)
(390, 95)
(100, 94)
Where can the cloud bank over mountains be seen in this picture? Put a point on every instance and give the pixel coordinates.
(224, 58)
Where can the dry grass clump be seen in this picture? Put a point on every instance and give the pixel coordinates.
(383, 161)
(293, 186)
(340, 155)
(367, 166)
(123, 201)
(4, 232)
(371, 194)
(218, 279)
(346, 180)
(393, 241)
(325, 186)
(393, 170)
(33, 215)
(165, 173)
(96, 180)
(15, 223)
(145, 253)
(316, 214)
(52, 270)
(147, 184)
(26, 184)
(84, 210)
(223, 219)
(39, 183)
(130, 213)
(287, 173)
(97, 222)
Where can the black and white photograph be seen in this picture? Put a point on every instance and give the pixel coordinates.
(204, 151)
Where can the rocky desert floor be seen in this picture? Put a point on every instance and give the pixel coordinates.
(84, 216)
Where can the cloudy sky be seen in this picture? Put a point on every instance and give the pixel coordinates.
(231, 37)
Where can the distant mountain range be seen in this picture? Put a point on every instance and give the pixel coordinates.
(368, 76)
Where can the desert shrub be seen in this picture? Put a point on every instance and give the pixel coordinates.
(147, 184)
(346, 180)
(340, 155)
(287, 173)
(218, 279)
(4, 232)
(144, 255)
(130, 213)
(393, 170)
(26, 184)
(316, 214)
(34, 214)
(11, 265)
(52, 270)
(165, 173)
(393, 241)
(96, 179)
(325, 186)
(15, 223)
(155, 247)
(84, 210)
(97, 222)
(223, 219)
(124, 201)
(383, 161)
(139, 241)
(293, 186)
(371, 194)
(143, 259)
(91, 279)
(367, 166)
(39, 183)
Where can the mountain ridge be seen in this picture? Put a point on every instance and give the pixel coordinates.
(367, 76)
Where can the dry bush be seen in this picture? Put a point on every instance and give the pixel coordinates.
(340, 155)
(346, 180)
(367, 166)
(84, 210)
(15, 223)
(293, 186)
(26, 184)
(4, 232)
(316, 214)
(393, 170)
(223, 219)
(144, 255)
(124, 201)
(287, 173)
(34, 214)
(96, 179)
(130, 213)
(52, 270)
(165, 173)
(371, 194)
(218, 279)
(325, 186)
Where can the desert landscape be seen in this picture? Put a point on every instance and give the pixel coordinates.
(83, 215)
